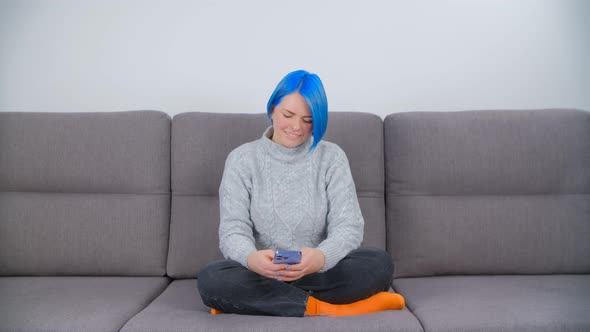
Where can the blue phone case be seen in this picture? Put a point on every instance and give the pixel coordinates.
(287, 257)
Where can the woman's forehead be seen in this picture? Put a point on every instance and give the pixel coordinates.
(295, 103)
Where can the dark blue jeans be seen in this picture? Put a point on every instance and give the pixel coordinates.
(228, 286)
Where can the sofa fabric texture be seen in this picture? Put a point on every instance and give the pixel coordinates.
(178, 307)
(44, 304)
(499, 303)
(84, 193)
(106, 218)
(492, 192)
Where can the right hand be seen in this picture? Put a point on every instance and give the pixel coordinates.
(261, 262)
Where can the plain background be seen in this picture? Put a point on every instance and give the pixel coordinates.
(227, 56)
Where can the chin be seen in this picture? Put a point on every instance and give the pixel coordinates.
(291, 143)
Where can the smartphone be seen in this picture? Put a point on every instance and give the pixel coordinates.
(287, 257)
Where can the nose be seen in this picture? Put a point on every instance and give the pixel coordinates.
(296, 124)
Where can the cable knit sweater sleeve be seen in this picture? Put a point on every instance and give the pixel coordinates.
(236, 239)
(345, 224)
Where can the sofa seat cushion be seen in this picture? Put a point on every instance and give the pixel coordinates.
(180, 308)
(74, 303)
(499, 303)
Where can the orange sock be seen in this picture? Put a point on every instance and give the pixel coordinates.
(215, 311)
(378, 302)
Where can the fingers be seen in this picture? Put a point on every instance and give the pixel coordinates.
(268, 254)
(273, 274)
(261, 263)
(288, 274)
(296, 267)
(288, 278)
(275, 267)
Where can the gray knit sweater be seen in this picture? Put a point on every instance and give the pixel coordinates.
(273, 197)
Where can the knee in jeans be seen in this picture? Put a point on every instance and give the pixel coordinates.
(386, 261)
(209, 278)
(379, 260)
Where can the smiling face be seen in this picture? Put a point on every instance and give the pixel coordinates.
(292, 121)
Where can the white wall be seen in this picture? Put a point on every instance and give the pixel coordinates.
(227, 56)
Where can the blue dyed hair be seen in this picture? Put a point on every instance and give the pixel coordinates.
(311, 88)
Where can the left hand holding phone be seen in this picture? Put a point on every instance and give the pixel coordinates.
(261, 262)
(312, 261)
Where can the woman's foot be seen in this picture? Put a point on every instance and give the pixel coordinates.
(215, 311)
(378, 302)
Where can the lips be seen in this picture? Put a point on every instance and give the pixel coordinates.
(292, 134)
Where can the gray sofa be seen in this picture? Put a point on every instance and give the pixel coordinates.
(105, 219)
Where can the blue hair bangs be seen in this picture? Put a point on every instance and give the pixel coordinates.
(313, 92)
(311, 88)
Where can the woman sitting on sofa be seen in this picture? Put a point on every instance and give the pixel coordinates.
(289, 190)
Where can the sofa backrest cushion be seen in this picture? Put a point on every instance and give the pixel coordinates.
(488, 192)
(200, 145)
(84, 193)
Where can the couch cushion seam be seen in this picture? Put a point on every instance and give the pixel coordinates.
(84, 193)
(482, 195)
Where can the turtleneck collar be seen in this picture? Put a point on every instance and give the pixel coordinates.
(284, 153)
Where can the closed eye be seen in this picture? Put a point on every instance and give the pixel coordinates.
(289, 115)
